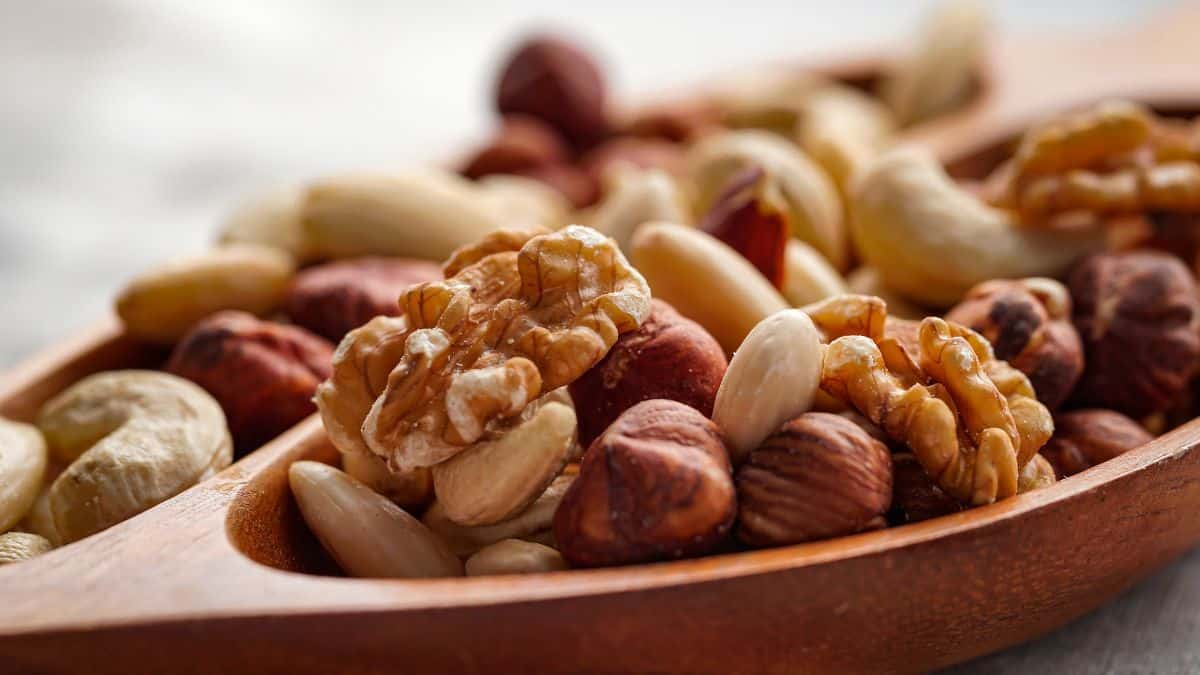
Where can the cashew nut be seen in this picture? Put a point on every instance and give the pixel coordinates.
(18, 546)
(417, 214)
(523, 202)
(365, 533)
(162, 304)
(140, 437)
(705, 280)
(842, 128)
(765, 99)
(514, 556)
(814, 208)
(808, 276)
(532, 524)
(22, 466)
(636, 197)
(495, 480)
(270, 219)
(772, 378)
(866, 281)
(931, 240)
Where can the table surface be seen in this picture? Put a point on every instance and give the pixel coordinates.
(127, 130)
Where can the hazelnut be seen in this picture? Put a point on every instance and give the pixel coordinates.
(335, 298)
(573, 183)
(640, 153)
(914, 495)
(1138, 315)
(1028, 323)
(1084, 438)
(656, 485)
(551, 79)
(751, 216)
(820, 476)
(522, 142)
(263, 374)
(667, 357)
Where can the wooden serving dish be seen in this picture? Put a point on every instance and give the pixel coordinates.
(225, 576)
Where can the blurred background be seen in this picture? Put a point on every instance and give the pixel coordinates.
(129, 128)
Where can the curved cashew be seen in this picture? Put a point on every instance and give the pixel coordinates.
(418, 214)
(523, 202)
(140, 437)
(842, 128)
(932, 241)
(637, 197)
(814, 208)
(937, 75)
(163, 303)
(808, 276)
(765, 99)
(269, 219)
(22, 465)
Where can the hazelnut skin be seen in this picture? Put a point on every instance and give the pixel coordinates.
(668, 357)
(914, 496)
(820, 476)
(1084, 438)
(1139, 317)
(1029, 325)
(263, 374)
(655, 486)
(522, 142)
(552, 79)
(335, 298)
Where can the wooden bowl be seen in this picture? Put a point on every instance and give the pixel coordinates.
(226, 577)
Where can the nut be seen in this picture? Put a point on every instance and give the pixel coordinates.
(1081, 140)
(334, 298)
(514, 556)
(478, 347)
(819, 476)
(866, 280)
(681, 122)
(667, 357)
(932, 241)
(973, 426)
(551, 79)
(523, 202)
(165, 302)
(532, 524)
(1138, 315)
(632, 151)
(751, 217)
(656, 485)
(1084, 438)
(20, 546)
(636, 197)
(419, 214)
(406, 489)
(494, 480)
(808, 276)
(263, 374)
(365, 533)
(522, 142)
(1028, 323)
(914, 496)
(841, 129)
(23, 459)
(772, 378)
(1037, 474)
(574, 184)
(938, 75)
(814, 208)
(769, 99)
(137, 438)
(705, 280)
(271, 219)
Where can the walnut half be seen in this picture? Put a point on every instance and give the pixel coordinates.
(519, 314)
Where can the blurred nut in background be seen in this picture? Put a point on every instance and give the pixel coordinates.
(680, 122)
(939, 72)
(632, 151)
(656, 485)
(820, 476)
(335, 298)
(271, 219)
(750, 215)
(1139, 316)
(667, 357)
(634, 197)
(23, 459)
(262, 373)
(554, 80)
(574, 184)
(1028, 322)
(914, 496)
(521, 142)
(807, 275)
(1084, 438)
(524, 202)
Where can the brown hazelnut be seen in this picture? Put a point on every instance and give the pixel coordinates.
(656, 485)
(820, 476)
(640, 153)
(914, 496)
(1084, 438)
(750, 215)
(521, 142)
(573, 183)
(551, 79)
(1028, 322)
(1139, 317)
(262, 373)
(335, 298)
(668, 357)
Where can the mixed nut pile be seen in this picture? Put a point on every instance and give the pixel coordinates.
(749, 319)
